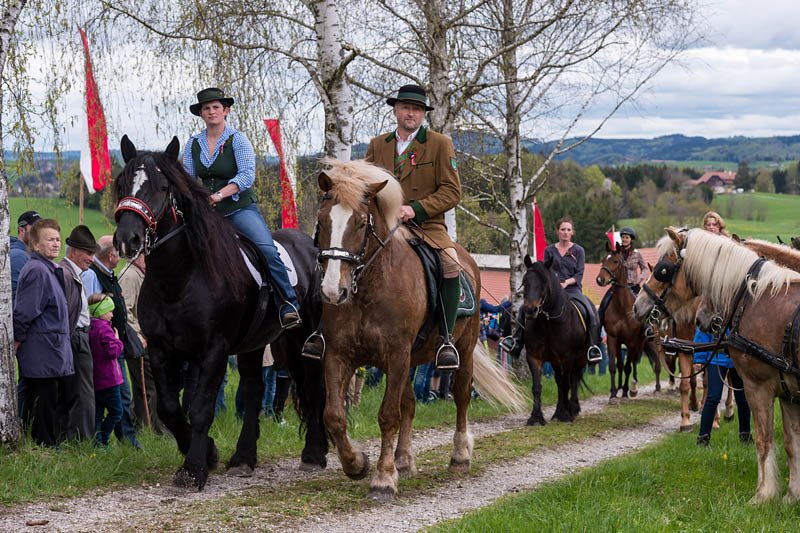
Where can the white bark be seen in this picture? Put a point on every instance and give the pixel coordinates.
(9, 419)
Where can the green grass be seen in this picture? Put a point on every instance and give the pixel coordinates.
(716, 165)
(61, 210)
(756, 215)
(670, 486)
(30, 473)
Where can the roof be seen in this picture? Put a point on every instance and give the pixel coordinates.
(495, 287)
(726, 176)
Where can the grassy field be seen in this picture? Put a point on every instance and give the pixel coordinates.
(716, 165)
(30, 473)
(670, 486)
(61, 210)
(756, 215)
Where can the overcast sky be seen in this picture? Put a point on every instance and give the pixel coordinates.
(744, 80)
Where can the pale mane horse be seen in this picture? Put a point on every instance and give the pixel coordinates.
(714, 267)
(374, 304)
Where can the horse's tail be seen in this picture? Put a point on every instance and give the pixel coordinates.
(495, 384)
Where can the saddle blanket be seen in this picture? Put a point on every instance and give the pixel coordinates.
(285, 257)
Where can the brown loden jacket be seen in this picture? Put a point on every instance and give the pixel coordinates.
(431, 186)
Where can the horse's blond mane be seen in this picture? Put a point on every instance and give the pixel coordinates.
(715, 267)
(784, 255)
(350, 181)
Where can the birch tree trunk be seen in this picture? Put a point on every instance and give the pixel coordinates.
(9, 419)
(337, 97)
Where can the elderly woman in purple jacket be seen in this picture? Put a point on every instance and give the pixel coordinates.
(41, 336)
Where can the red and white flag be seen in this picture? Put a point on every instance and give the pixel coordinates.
(95, 158)
(539, 240)
(614, 238)
(288, 208)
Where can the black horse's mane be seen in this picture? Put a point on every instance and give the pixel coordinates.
(211, 238)
(555, 293)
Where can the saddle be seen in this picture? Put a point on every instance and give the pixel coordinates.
(583, 312)
(432, 268)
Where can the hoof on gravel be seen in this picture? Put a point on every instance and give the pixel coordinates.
(310, 467)
(613, 401)
(633, 393)
(240, 471)
(185, 479)
(364, 471)
(459, 467)
(685, 428)
(382, 494)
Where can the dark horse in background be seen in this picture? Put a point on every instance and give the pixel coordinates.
(196, 305)
(554, 332)
(623, 328)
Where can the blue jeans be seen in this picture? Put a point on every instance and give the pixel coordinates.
(250, 223)
(109, 400)
(270, 377)
(422, 381)
(716, 374)
(125, 428)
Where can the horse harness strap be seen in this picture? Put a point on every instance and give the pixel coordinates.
(785, 363)
(580, 314)
(140, 208)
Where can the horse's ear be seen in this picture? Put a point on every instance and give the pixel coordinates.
(650, 267)
(173, 148)
(127, 148)
(736, 238)
(796, 243)
(548, 261)
(673, 234)
(528, 261)
(608, 246)
(374, 188)
(780, 241)
(325, 182)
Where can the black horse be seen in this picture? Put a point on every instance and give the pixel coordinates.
(554, 332)
(197, 303)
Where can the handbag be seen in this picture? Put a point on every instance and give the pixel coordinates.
(132, 344)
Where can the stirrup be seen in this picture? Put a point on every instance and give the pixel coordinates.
(445, 364)
(292, 317)
(312, 339)
(508, 343)
(593, 354)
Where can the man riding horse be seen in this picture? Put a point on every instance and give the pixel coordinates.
(425, 164)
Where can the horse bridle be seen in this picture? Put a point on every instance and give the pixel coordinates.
(140, 208)
(357, 258)
(665, 271)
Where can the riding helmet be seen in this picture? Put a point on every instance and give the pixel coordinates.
(628, 231)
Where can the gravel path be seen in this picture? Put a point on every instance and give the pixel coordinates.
(149, 507)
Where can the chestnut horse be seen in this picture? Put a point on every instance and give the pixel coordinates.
(718, 269)
(374, 304)
(623, 328)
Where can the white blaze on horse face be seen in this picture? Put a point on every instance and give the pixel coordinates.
(340, 215)
(139, 179)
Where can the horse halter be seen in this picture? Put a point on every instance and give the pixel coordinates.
(140, 207)
(665, 271)
(357, 258)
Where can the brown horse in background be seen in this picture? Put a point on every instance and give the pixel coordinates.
(623, 328)
(699, 263)
(374, 305)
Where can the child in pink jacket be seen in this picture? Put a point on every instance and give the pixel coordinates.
(106, 348)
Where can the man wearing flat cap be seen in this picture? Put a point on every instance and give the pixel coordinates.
(81, 247)
(425, 164)
(19, 247)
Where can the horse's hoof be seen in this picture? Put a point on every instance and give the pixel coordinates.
(240, 471)
(685, 428)
(633, 393)
(185, 479)
(364, 470)
(382, 494)
(536, 421)
(459, 467)
(310, 467)
(613, 401)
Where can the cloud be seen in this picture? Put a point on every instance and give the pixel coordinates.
(755, 25)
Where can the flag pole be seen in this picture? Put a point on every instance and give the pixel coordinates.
(80, 199)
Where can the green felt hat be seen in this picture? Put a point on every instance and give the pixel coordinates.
(209, 95)
(411, 94)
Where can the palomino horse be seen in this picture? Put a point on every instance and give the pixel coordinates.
(374, 305)
(555, 332)
(759, 298)
(197, 303)
(622, 327)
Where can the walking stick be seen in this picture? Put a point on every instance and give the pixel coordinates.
(144, 393)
